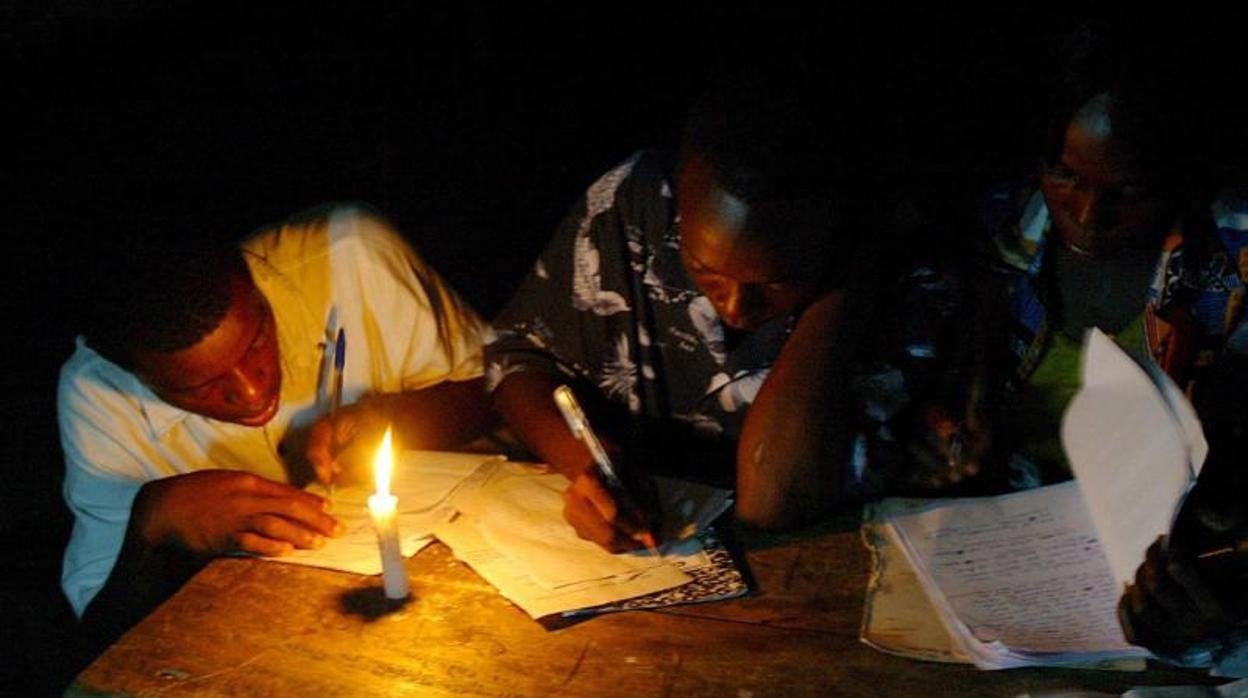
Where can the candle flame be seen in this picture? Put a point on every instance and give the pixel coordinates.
(383, 465)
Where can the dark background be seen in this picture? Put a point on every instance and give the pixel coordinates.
(473, 126)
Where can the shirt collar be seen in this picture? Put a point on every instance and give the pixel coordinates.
(159, 415)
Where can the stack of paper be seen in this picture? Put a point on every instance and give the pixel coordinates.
(423, 481)
(506, 521)
(510, 529)
(1018, 580)
(1033, 578)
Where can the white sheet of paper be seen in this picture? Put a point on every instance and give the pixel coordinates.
(423, 481)
(463, 535)
(519, 512)
(1130, 451)
(1025, 570)
(510, 529)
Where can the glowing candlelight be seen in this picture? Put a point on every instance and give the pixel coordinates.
(383, 508)
(383, 465)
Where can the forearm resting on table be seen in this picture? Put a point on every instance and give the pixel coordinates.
(795, 441)
(144, 575)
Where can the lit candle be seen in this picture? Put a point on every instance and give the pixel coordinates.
(383, 508)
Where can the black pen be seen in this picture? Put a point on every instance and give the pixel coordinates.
(578, 423)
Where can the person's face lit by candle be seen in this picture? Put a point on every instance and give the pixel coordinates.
(748, 278)
(233, 373)
(1100, 199)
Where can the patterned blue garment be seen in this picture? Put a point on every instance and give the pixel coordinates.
(1193, 313)
(609, 302)
(1195, 304)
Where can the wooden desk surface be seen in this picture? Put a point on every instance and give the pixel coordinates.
(248, 627)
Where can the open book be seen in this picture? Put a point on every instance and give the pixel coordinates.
(1034, 577)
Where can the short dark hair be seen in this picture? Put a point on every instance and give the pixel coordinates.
(759, 133)
(162, 297)
(766, 141)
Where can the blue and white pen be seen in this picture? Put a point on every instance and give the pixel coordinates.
(335, 391)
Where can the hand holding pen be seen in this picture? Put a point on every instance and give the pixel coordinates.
(614, 505)
(338, 444)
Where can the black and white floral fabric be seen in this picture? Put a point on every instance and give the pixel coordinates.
(609, 302)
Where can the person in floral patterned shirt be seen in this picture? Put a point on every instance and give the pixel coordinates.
(699, 310)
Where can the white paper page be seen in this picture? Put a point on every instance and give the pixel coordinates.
(1128, 451)
(423, 481)
(1024, 569)
(464, 538)
(1185, 415)
(520, 514)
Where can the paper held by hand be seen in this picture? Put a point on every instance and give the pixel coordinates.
(1135, 446)
(1034, 577)
(423, 481)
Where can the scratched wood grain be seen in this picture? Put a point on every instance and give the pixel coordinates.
(247, 627)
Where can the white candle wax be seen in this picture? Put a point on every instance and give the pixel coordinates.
(383, 508)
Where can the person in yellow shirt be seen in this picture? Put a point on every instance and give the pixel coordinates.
(197, 402)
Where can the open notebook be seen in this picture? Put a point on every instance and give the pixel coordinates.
(1034, 577)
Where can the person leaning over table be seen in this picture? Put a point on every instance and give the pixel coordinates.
(196, 401)
(701, 308)
(1124, 231)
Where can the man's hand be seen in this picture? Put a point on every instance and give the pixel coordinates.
(949, 451)
(218, 511)
(341, 445)
(1170, 607)
(598, 516)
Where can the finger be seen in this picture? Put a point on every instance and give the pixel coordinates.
(285, 530)
(633, 519)
(303, 508)
(352, 464)
(245, 484)
(590, 526)
(589, 488)
(319, 451)
(1169, 616)
(1145, 624)
(248, 542)
(346, 427)
(1126, 619)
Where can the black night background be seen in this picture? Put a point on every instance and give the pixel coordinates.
(472, 125)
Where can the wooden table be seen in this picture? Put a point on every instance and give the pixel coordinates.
(249, 627)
